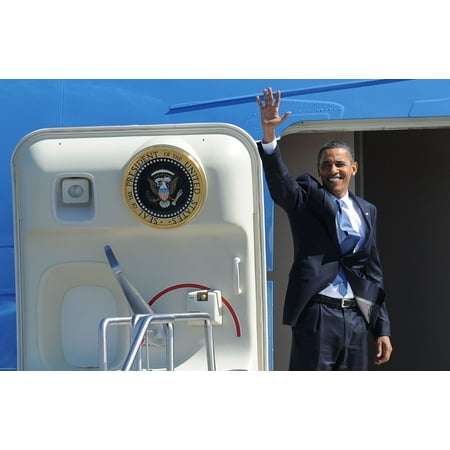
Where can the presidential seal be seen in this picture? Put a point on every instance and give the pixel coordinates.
(164, 186)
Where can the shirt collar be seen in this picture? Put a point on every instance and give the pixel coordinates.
(345, 198)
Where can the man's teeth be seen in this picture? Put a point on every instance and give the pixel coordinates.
(334, 179)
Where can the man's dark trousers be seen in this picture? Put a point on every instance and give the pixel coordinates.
(329, 338)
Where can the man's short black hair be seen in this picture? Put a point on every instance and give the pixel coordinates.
(335, 144)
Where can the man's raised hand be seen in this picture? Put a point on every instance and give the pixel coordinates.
(270, 113)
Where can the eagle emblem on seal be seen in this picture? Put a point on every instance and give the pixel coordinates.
(163, 185)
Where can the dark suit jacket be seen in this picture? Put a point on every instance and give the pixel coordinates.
(317, 253)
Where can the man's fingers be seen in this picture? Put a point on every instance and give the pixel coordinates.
(285, 116)
(278, 99)
(384, 350)
(268, 96)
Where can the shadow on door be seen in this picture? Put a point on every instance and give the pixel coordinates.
(406, 176)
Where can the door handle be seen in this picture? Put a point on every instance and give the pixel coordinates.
(236, 276)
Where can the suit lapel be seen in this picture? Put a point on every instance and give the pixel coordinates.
(365, 213)
(327, 209)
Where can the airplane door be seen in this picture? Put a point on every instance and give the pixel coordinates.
(181, 207)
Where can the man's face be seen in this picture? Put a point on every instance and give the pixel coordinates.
(336, 170)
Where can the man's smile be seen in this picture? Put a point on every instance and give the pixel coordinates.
(335, 179)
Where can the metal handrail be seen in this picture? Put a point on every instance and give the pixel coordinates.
(140, 324)
(104, 324)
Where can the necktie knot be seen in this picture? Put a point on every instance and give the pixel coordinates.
(342, 207)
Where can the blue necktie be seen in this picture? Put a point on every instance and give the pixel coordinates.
(351, 236)
(347, 244)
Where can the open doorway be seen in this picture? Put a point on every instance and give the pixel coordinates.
(403, 172)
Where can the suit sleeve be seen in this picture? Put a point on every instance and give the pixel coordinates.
(285, 190)
(382, 325)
